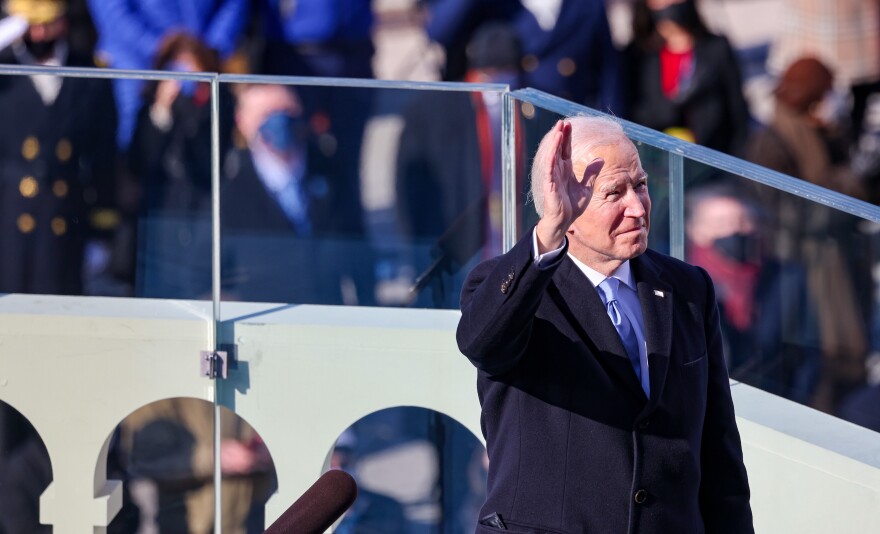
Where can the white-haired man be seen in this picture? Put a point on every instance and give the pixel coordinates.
(606, 402)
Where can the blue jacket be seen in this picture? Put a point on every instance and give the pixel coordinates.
(130, 30)
(317, 21)
(575, 60)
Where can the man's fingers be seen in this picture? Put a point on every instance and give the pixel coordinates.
(566, 140)
(592, 171)
(557, 153)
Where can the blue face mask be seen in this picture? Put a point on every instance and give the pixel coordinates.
(279, 131)
(187, 87)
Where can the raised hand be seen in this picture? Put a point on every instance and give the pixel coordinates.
(565, 198)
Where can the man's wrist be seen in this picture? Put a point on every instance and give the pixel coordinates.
(548, 238)
(549, 259)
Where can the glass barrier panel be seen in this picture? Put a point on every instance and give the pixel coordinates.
(107, 183)
(357, 195)
(794, 286)
(105, 190)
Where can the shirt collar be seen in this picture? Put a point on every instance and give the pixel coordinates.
(622, 273)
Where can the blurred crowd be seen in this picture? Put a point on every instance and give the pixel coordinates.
(368, 196)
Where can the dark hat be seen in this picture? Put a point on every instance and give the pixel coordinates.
(36, 11)
(804, 83)
(494, 45)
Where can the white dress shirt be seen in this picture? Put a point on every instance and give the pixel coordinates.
(628, 297)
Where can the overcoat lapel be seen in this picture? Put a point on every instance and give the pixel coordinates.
(655, 296)
(579, 301)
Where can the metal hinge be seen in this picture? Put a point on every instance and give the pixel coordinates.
(213, 364)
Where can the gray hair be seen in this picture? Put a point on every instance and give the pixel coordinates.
(587, 134)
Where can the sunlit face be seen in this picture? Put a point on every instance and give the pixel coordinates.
(257, 102)
(614, 227)
(717, 217)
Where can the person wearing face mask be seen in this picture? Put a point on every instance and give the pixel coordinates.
(170, 164)
(292, 231)
(800, 142)
(768, 316)
(57, 180)
(681, 79)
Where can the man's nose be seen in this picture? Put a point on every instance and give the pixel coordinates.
(38, 32)
(634, 207)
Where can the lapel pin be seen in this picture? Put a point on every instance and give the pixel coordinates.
(659, 293)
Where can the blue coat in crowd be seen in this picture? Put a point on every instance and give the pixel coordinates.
(130, 32)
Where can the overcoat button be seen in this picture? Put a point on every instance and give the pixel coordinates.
(641, 496)
(30, 148)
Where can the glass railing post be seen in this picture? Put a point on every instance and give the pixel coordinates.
(215, 291)
(676, 205)
(508, 181)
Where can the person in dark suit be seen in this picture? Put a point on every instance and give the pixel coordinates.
(57, 157)
(566, 44)
(680, 78)
(291, 230)
(606, 403)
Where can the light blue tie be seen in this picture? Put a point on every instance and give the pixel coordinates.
(621, 322)
(291, 200)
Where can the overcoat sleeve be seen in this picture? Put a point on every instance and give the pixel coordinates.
(498, 304)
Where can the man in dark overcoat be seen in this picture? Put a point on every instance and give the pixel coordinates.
(605, 398)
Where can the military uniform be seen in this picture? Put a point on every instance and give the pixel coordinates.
(56, 178)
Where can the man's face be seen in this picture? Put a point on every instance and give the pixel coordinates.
(718, 217)
(614, 227)
(258, 102)
(40, 39)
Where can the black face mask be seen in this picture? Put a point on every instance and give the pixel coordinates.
(684, 14)
(741, 248)
(40, 50)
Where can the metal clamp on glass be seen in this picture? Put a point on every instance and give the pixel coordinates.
(213, 364)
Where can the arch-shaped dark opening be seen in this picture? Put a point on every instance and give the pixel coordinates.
(418, 471)
(164, 454)
(25, 473)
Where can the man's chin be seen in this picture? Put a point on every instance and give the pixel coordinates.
(638, 247)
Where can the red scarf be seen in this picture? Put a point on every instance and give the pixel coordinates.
(735, 283)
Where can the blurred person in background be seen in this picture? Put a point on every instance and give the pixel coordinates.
(768, 316)
(131, 32)
(328, 40)
(802, 143)
(844, 35)
(448, 178)
(167, 449)
(681, 79)
(566, 44)
(170, 158)
(799, 141)
(317, 38)
(293, 228)
(57, 200)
